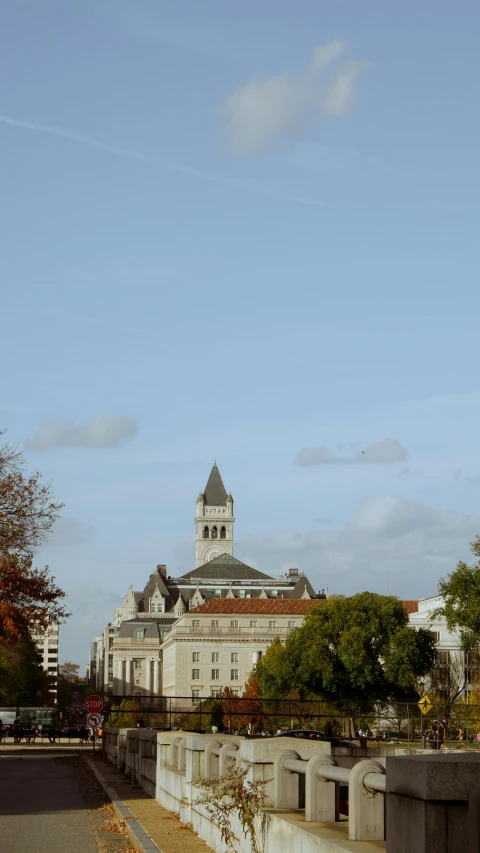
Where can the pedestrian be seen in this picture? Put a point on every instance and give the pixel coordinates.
(441, 733)
(375, 734)
(334, 728)
(214, 730)
(17, 732)
(460, 737)
(33, 728)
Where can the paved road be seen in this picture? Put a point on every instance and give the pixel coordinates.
(47, 805)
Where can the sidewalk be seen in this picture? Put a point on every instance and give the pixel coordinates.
(163, 827)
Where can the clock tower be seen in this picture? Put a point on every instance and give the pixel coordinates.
(213, 521)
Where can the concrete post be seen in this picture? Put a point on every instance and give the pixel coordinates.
(156, 668)
(321, 795)
(119, 685)
(224, 759)
(211, 760)
(366, 809)
(182, 758)
(285, 783)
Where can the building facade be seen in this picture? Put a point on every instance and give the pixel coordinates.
(47, 647)
(218, 644)
(129, 652)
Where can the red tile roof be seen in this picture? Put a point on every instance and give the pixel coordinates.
(271, 605)
(257, 605)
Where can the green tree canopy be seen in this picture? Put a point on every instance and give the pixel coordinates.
(460, 591)
(349, 650)
(23, 680)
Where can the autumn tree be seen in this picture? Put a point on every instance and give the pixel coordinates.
(29, 597)
(460, 591)
(350, 650)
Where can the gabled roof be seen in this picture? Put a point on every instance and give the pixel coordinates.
(257, 605)
(225, 567)
(215, 493)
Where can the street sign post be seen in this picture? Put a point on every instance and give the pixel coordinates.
(93, 704)
(424, 704)
(94, 720)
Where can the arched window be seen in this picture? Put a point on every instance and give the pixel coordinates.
(223, 532)
(214, 531)
(206, 532)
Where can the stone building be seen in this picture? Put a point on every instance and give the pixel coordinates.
(129, 651)
(218, 644)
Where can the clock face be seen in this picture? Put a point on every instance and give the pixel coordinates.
(213, 554)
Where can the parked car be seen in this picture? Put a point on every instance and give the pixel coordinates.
(311, 734)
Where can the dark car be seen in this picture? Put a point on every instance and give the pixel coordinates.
(311, 734)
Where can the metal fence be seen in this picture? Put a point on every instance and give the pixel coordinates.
(383, 720)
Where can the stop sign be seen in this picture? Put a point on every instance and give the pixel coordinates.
(93, 703)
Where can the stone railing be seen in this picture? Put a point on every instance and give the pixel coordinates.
(302, 780)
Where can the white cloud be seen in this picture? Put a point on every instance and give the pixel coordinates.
(100, 431)
(383, 452)
(418, 544)
(69, 531)
(261, 112)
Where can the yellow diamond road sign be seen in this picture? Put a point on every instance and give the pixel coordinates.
(424, 704)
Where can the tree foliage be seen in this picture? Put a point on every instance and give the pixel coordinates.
(349, 650)
(29, 597)
(460, 591)
(23, 680)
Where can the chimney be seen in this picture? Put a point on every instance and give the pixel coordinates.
(293, 573)
(162, 571)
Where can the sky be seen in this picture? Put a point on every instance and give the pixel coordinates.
(243, 232)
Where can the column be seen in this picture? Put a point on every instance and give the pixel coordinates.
(118, 687)
(148, 682)
(128, 677)
(156, 671)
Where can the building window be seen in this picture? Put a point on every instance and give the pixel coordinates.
(274, 593)
(53, 659)
(235, 691)
(214, 531)
(52, 668)
(241, 593)
(248, 595)
(253, 623)
(234, 675)
(223, 532)
(195, 623)
(215, 657)
(215, 675)
(196, 696)
(195, 675)
(292, 624)
(234, 623)
(436, 636)
(139, 633)
(153, 608)
(214, 693)
(206, 532)
(137, 664)
(195, 657)
(217, 593)
(215, 623)
(234, 657)
(272, 623)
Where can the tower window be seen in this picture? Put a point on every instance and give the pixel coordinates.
(223, 532)
(214, 531)
(206, 532)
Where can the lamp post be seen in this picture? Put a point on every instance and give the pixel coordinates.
(421, 685)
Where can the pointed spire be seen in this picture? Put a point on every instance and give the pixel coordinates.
(215, 492)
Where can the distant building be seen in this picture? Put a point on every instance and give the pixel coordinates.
(128, 654)
(218, 644)
(47, 646)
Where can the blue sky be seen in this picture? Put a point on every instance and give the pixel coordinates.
(243, 231)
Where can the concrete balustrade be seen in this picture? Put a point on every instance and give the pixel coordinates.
(301, 781)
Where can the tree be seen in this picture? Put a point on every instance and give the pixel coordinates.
(71, 690)
(29, 598)
(460, 591)
(352, 650)
(23, 680)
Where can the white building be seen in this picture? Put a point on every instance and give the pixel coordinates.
(218, 644)
(421, 618)
(47, 646)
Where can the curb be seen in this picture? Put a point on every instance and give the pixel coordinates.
(135, 830)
